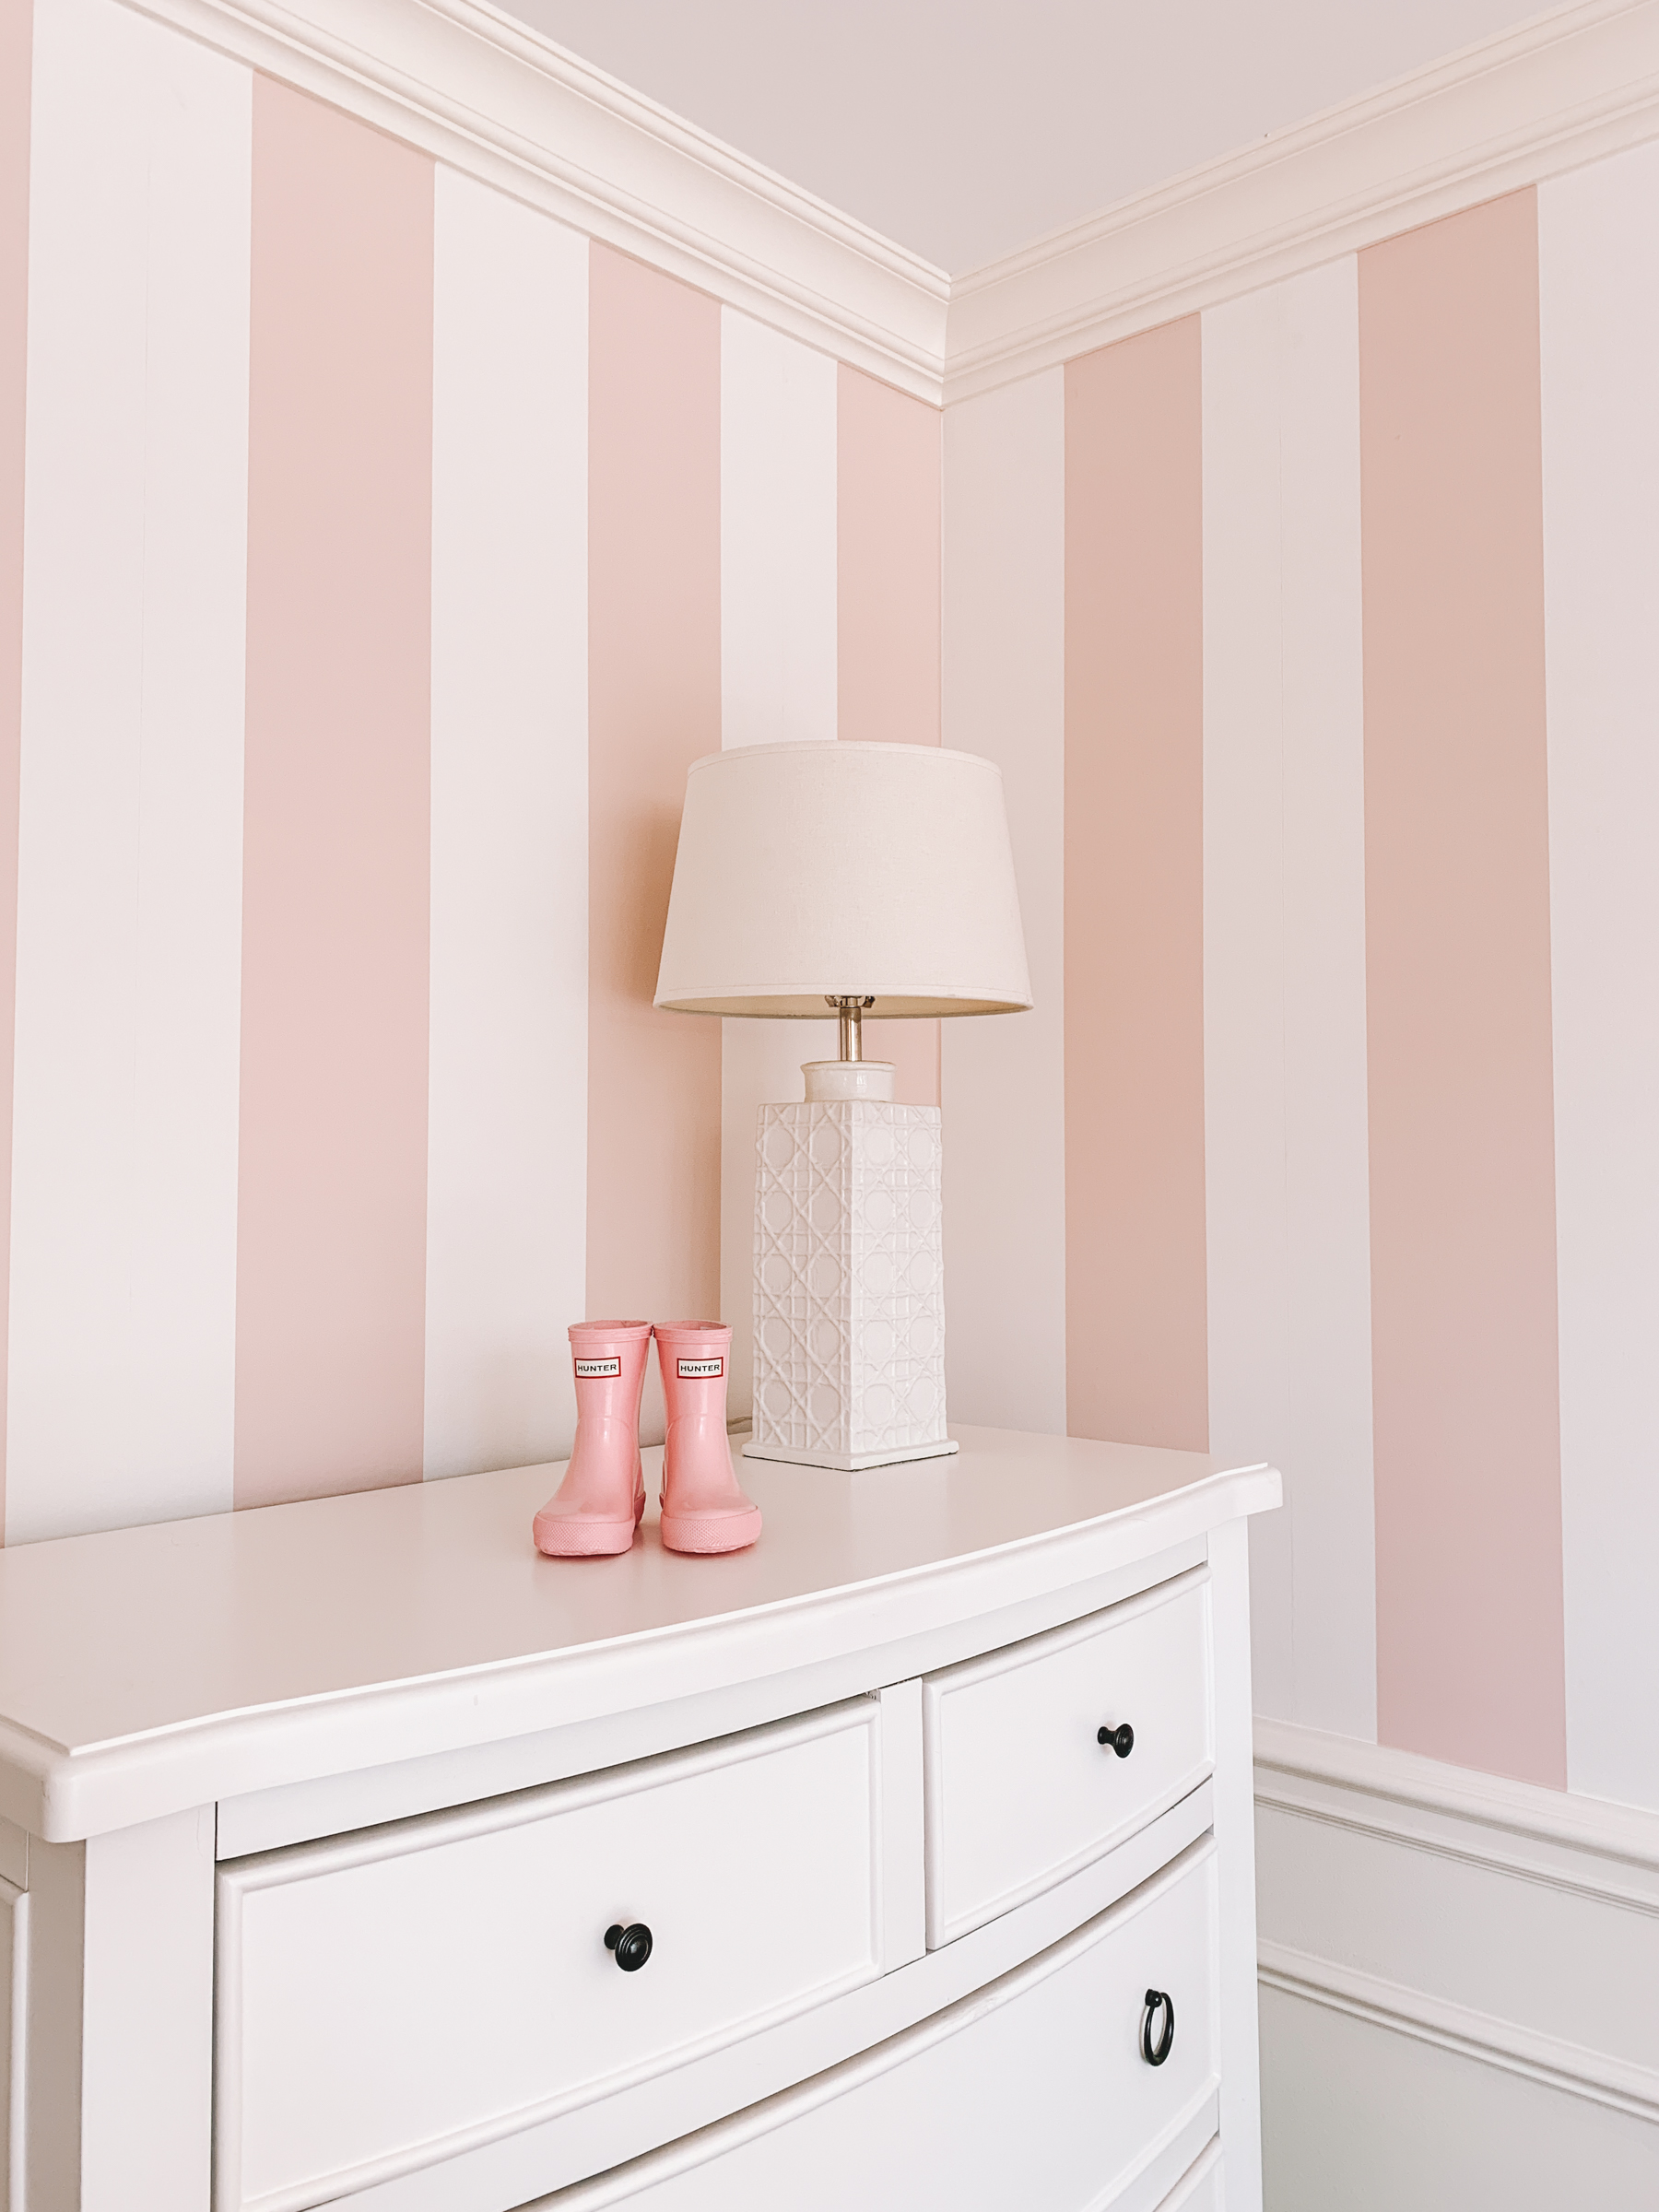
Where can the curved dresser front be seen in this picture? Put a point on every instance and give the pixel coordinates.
(904, 1860)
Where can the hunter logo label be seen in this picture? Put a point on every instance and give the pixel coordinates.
(585, 1368)
(694, 1371)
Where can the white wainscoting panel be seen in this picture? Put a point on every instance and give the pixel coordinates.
(1457, 1976)
(1358, 2118)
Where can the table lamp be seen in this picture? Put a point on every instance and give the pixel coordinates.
(877, 880)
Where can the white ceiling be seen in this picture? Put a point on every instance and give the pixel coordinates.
(966, 128)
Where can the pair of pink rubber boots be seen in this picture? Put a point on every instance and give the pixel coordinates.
(597, 1506)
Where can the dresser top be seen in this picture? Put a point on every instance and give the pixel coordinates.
(240, 1650)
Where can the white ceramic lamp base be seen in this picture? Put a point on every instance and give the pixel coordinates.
(849, 1285)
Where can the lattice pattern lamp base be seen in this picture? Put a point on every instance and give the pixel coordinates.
(849, 1285)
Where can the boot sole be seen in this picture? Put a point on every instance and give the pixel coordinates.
(719, 1532)
(587, 1540)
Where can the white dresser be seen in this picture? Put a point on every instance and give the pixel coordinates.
(353, 1853)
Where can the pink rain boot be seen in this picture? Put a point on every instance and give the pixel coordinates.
(597, 1506)
(704, 1510)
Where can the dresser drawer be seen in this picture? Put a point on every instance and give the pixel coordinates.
(1033, 2092)
(1020, 1791)
(1199, 2189)
(390, 1998)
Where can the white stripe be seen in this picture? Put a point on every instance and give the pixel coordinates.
(777, 536)
(1004, 1078)
(129, 901)
(777, 678)
(1284, 931)
(1599, 252)
(1246, 1195)
(507, 1162)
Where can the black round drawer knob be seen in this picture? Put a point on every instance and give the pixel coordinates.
(631, 1945)
(1159, 2014)
(1121, 1739)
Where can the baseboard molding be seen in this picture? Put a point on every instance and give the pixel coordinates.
(1510, 1925)
(1477, 2035)
(481, 90)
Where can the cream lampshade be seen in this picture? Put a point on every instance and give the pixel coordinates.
(879, 879)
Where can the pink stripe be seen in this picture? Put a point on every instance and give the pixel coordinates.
(16, 41)
(1136, 1329)
(914, 1050)
(887, 537)
(331, 1228)
(653, 706)
(1468, 1493)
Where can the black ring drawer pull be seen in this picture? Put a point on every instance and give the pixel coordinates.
(1121, 1739)
(1154, 2053)
(631, 1945)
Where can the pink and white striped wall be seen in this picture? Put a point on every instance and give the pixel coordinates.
(1319, 633)
(375, 554)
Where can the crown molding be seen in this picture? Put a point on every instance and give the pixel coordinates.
(484, 92)
(478, 88)
(1569, 87)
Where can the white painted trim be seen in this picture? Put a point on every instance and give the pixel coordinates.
(483, 91)
(1495, 2043)
(1607, 1851)
(1603, 1859)
(1568, 88)
(480, 89)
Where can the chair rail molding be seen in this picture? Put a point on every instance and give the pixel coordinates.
(1450, 1865)
(1607, 1851)
(1564, 90)
(1512, 2049)
(477, 89)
